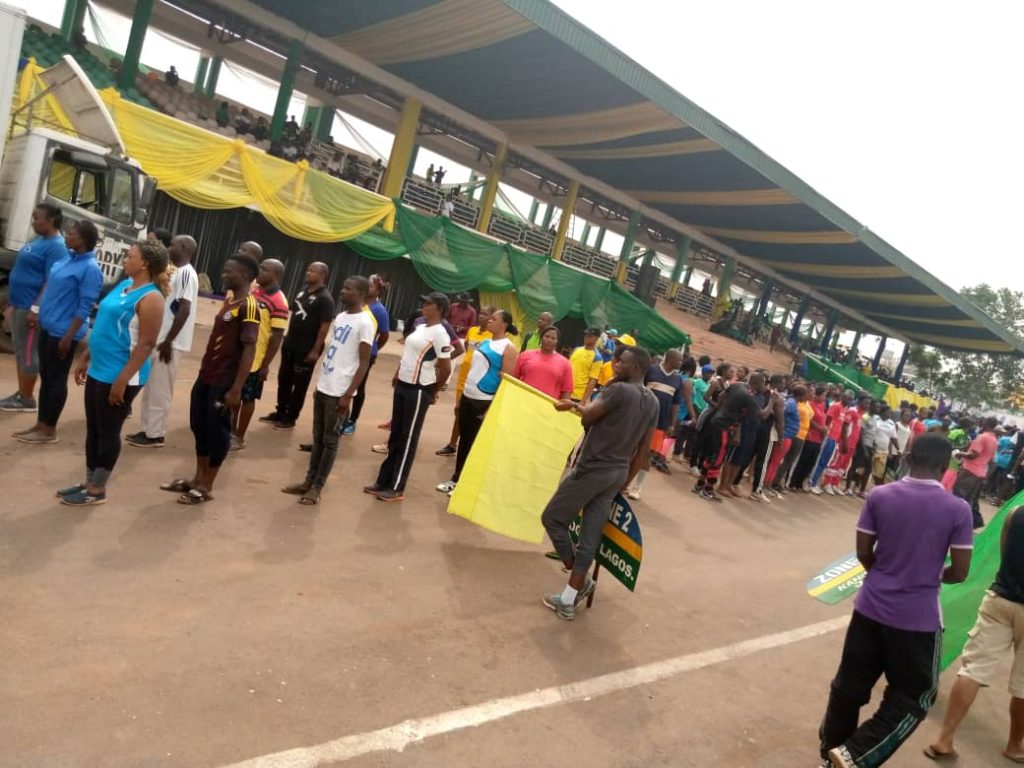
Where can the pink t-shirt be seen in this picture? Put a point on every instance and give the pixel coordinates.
(985, 445)
(548, 372)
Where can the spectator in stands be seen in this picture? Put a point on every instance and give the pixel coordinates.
(159, 235)
(430, 172)
(243, 123)
(447, 207)
(706, 287)
(261, 131)
(223, 116)
(290, 152)
(462, 316)
(334, 165)
(171, 77)
(439, 175)
(291, 128)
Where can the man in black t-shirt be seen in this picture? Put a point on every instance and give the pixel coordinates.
(312, 312)
(736, 404)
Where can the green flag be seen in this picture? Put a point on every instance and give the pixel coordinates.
(960, 602)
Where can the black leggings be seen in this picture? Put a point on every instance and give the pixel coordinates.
(357, 401)
(471, 416)
(53, 378)
(103, 423)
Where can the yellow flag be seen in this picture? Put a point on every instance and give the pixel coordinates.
(516, 462)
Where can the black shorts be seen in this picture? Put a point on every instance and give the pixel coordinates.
(252, 389)
(741, 453)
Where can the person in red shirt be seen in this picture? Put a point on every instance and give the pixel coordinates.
(462, 316)
(544, 369)
(834, 419)
(971, 478)
(812, 443)
(847, 443)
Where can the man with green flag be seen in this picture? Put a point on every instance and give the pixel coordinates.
(1000, 627)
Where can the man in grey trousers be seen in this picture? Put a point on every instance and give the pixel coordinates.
(620, 425)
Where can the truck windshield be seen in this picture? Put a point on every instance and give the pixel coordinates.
(90, 183)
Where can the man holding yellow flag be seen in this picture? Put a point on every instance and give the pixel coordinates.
(620, 425)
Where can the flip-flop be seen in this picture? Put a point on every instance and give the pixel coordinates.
(933, 754)
(194, 497)
(311, 497)
(177, 486)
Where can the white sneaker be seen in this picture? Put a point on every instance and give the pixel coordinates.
(380, 448)
(446, 487)
(694, 471)
(633, 493)
(816, 490)
(831, 490)
(760, 496)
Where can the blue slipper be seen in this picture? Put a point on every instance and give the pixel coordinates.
(70, 491)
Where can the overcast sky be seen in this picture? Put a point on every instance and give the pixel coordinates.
(906, 114)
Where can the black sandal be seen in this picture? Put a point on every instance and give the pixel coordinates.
(193, 497)
(311, 497)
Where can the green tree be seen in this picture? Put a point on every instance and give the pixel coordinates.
(986, 379)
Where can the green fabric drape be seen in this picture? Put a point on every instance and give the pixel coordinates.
(820, 370)
(451, 258)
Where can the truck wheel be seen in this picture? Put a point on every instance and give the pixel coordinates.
(6, 342)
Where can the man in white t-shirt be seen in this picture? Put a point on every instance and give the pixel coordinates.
(345, 363)
(175, 340)
(885, 443)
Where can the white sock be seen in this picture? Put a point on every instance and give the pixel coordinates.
(568, 595)
(638, 481)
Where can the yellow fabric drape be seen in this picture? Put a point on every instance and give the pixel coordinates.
(205, 170)
(895, 396)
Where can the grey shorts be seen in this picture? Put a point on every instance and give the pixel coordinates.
(26, 342)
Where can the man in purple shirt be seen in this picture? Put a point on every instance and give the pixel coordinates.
(905, 531)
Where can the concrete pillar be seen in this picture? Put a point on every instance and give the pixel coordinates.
(137, 36)
(878, 355)
(212, 76)
(563, 223)
(794, 334)
(73, 18)
(285, 90)
(199, 81)
(491, 190)
(401, 149)
(682, 259)
(549, 215)
(627, 246)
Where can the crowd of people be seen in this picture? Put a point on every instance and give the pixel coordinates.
(730, 425)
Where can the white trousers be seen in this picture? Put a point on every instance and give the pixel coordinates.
(158, 393)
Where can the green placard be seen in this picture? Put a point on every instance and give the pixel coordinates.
(621, 548)
(838, 580)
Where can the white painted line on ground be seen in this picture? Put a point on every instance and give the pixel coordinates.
(396, 738)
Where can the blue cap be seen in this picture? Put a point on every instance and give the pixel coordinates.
(707, 368)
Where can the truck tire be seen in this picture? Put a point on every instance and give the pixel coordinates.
(6, 342)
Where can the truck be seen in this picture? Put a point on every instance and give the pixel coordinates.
(87, 175)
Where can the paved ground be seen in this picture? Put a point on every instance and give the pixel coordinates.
(145, 633)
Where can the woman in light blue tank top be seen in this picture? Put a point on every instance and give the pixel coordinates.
(490, 359)
(114, 364)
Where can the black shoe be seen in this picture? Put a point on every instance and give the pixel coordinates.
(141, 441)
(306, 447)
(271, 418)
(283, 425)
(135, 436)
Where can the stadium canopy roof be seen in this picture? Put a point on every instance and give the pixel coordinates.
(548, 82)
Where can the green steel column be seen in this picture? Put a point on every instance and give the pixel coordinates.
(851, 359)
(585, 234)
(212, 76)
(549, 214)
(686, 277)
(73, 18)
(325, 128)
(794, 334)
(284, 93)
(473, 179)
(137, 36)
(310, 116)
(682, 256)
(534, 207)
(785, 321)
(627, 246)
(723, 296)
(600, 239)
(649, 258)
(199, 82)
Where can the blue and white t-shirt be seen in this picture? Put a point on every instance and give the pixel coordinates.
(341, 360)
(485, 369)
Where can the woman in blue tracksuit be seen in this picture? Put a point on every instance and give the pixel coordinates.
(114, 365)
(491, 358)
